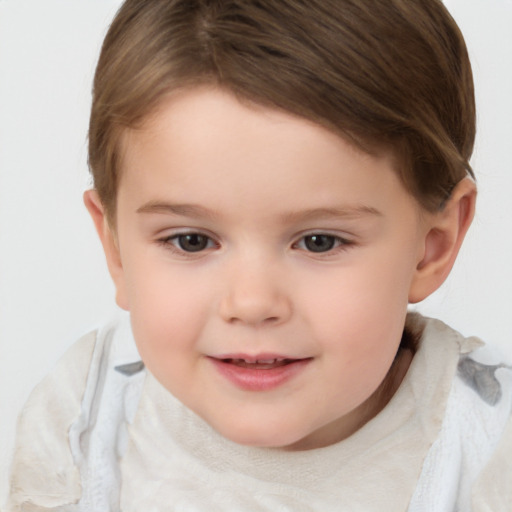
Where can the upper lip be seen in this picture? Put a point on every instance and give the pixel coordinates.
(265, 357)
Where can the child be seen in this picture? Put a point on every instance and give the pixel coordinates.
(274, 182)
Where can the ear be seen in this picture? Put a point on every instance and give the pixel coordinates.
(110, 244)
(445, 232)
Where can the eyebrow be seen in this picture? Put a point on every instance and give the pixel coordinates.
(184, 210)
(348, 212)
(197, 211)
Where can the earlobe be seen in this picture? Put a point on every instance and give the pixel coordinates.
(444, 234)
(109, 242)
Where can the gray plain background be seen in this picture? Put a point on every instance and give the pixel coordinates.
(53, 282)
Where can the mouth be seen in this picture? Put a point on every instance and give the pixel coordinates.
(259, 373)
(259, 364)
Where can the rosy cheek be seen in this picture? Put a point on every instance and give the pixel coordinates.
(167, 311)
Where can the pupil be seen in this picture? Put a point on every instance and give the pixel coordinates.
(319, 243)
(193, 242)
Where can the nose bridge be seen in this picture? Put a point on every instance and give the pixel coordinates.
(255, 292)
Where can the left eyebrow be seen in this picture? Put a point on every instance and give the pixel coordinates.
(184, 210)
(350, 212)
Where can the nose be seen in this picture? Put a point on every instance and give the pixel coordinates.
(255, 295)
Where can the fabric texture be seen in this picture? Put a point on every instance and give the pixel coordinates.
(101, 434)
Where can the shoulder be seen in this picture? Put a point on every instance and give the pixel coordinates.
(487, 428)
(493, 487)
(474, 444)
(46, 463)
(72, 429)
(41, 440)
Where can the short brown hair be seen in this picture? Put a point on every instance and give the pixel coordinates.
(391, 73)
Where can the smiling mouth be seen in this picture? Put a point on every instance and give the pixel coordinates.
(259, 364)
(264, 372)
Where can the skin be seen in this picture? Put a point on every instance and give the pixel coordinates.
(257, 184)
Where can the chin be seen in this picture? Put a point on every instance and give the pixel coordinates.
(260, 437)
(258, 441)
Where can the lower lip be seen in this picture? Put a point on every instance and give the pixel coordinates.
(259, 379)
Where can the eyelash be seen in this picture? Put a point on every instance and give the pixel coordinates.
(172, 243)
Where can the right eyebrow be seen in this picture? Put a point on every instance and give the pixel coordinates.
(184, 210)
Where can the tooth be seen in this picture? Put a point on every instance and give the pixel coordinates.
(266, 361)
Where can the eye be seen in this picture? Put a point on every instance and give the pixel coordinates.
(190, 242)
(319, 243)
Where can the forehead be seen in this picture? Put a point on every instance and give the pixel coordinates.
(206, 142)
(207, 110)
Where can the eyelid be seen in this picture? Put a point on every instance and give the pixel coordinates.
(343, 236)
(174, 232)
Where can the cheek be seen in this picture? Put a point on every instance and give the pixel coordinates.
(361, 308)
(168, 308)
(359, 327)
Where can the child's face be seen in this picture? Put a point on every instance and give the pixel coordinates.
(247, 234)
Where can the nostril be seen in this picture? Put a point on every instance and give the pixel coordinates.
(247, 320)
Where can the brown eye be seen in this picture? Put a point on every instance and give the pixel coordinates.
(320, 243)
(192, 242)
